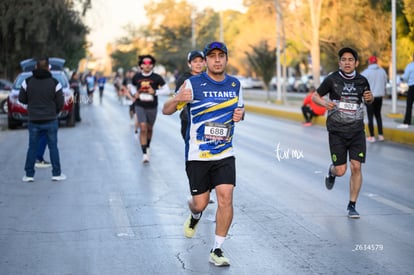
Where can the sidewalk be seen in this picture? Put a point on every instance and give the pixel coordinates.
(259, 101)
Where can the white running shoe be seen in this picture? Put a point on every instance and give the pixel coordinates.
(145, 158)
(190, 226)
(402, 126)
(42, 164)
(59, 178)
(28, 179)
(371, 139)
(217, 258)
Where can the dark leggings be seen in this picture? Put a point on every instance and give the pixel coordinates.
(409, 107)
(374, 109)
(308, 113)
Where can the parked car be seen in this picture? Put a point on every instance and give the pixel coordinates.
(250, 82)
(402, 87)
(290, 84)
(5, 88)
(306, 81)
(256, 83)
(244, 82)
(17, 111)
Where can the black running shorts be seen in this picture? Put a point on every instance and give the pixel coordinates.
(341, 144)
(204, 176)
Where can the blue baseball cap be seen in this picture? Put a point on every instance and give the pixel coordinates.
(215, 45)
(194, 54)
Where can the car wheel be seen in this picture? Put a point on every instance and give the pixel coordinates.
(70, 120)
(302, 88)
(13, 124)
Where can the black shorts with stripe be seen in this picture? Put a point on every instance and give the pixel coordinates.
(204, 176)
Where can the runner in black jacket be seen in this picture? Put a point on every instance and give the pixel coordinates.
(197, 65)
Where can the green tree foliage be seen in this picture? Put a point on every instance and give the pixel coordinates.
(366, 26)
(262, 59)
(170, 27)
(405, 33)
(257, 24)
(168, 35)
(124, 59)
(136, 42)
(361, 27)
(33, 28)
(309, 28)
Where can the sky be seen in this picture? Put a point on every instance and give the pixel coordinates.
(107, 18)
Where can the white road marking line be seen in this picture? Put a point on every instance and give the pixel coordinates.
(120, 216)
(391, 203)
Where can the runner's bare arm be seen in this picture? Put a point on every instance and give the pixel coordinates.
(238, 114)
(177, 102)
(329, 105)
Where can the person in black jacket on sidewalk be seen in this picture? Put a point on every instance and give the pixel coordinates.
(44, 98)
(197, 65)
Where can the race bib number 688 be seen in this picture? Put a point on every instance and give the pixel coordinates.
(216, 131)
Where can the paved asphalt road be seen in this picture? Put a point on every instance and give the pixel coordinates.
(114, 215)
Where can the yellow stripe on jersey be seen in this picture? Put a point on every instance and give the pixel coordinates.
(219, 106)
(207, 154)
(181, 105)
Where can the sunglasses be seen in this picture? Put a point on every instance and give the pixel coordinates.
(147, 62)
(216, 45)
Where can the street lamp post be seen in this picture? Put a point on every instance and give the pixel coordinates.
(394, 59)
(193, 34)
(221, 26)
(278, 64)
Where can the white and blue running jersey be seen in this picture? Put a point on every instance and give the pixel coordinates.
(209, 136)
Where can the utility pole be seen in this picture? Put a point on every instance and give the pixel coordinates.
(193, 34)
(221, 26)
(394, 59)
(278, 65)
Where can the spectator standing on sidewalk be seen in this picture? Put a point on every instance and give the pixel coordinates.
(377, 79)
(347, 90)
(44, 98)
(215, 103)
(409, 78)
(310, 109)
(148, 86)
